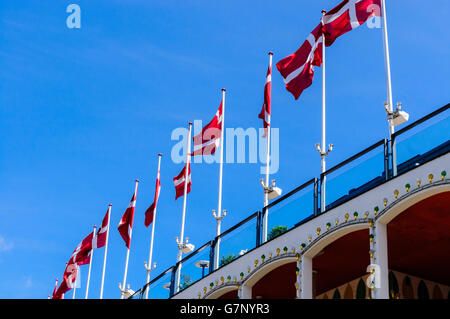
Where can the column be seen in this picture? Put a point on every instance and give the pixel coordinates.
(305, 278)
(379, 260)
(245, 292)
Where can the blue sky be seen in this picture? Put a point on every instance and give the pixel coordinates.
(84, 112)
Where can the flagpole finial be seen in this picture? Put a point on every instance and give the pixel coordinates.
(190, 123)
(110, 205)
(137, 181)
(223, 89)
(159, 154)
(270, 53)
(324, 11)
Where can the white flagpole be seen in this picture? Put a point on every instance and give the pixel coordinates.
(219, 201)
(148, 266)
(123, 288)
(56, 287)
(75, 283)
(322, 151)
(390, 104)
(106, 251)
(180, 241)
(90, 265)
(266, 186)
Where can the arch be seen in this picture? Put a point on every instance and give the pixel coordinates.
(348, 292)
(336, 294)
(269, 266)
(411, 198)
(422, 291)
(222, 293)
(437, 292)
(393, 286)
(342, 261)
(407, 288)
(277, 284)
(333, 235)
(417, 241)
(361, 289)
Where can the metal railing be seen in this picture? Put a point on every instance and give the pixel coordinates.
(413, 145)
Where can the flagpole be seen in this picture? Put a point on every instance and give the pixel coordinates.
(323, 153)
(390, 105)
(180, 241)
(90, 265)
(266, 188)
(219, 216)
(106, 251)
(148, 266)
(75, 282)
(56, 287)
(123, 288)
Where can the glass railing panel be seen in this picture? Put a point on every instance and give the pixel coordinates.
(195, 268)
(160, 289)
(423, 138)
(355, 177)
(237, 242)
(287, 213)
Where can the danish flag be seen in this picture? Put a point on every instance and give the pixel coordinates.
(69, 278)
(178, 181)
(348, 15)
(126, 223)
(82, 253)
(298, 68)
(99, 239)
(150, 212)
(206, 142)
(265, 111)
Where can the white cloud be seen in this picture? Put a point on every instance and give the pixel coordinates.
(5, 245)
(28, 281)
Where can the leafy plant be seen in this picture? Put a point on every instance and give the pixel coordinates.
(227, 259)
(276, 231)
(186, 281)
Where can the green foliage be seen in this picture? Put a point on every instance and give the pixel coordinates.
(227, 259)
(185, 281)
(276, 231)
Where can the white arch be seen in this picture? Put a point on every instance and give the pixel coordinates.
(258, 274)
(409, 199)
(216, 294)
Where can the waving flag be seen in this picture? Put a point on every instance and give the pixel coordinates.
(150, 212)
(265, 111)
(126, 223)
(69, 278)
(298, 68)
(178, 181)
(206, 142)
(348, 15)
(82, 253)
(100, 237)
